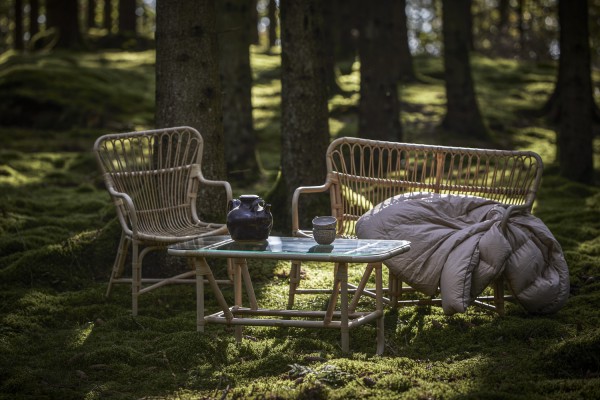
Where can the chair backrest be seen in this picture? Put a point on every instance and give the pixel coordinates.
(153, 168)
(365, 172)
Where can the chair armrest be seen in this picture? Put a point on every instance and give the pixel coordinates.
(197, 173)
(303, 190)
(123, 201)
(225, 185)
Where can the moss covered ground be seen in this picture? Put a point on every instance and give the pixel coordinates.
(61, 338)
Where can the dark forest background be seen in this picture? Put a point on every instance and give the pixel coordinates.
(204, 78)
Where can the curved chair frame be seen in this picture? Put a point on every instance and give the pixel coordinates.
(154, 178)
(362, 173)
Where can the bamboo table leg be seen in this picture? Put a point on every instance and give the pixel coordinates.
(203, 270)
(379, 308)
(342, 277)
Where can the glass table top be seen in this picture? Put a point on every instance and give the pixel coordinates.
(292, 248)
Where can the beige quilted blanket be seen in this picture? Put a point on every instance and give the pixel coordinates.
(458, 248)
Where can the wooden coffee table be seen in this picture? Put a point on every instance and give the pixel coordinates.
(340, 253)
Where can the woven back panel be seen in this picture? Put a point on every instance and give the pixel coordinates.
(366, 172)
(153, 168)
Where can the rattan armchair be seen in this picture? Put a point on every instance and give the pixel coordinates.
(154, 179)
(362, 173)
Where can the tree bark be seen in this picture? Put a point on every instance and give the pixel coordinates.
(272, 23)
(18, 36)
(575, 136)
(405, 60)
(304, 112)
(236, 83)
(253, 27)
(91, 14)
(34, 14)
(62, 15)
(188, 90)
(345, 31)
(379, 108)
(127, 18)
(328, 49)
(107, 16)
(462, 113)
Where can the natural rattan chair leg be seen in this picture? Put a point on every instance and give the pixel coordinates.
(499, 295)
(119, 264)
(136, 276)
(395, 289)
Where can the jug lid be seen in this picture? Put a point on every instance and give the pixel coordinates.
(249, 197)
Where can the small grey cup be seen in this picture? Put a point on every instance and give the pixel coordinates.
(324, 229)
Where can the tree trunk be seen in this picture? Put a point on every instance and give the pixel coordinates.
(236, 83)
(253, 27)
(34, 13)
(575, 137)
(62, 15)
(405, 67)
(272, 23)
(304, 112)
(468, 15)
(328, 48)
(107, 16)
(552, 109)
(91, 14)
(188, 91)
(503, 11)
(522, 41)
(462, 114)
(18, 37)
(127, 18)
(379, 108)
(345, 32)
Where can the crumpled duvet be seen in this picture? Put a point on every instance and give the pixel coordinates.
(457, 246)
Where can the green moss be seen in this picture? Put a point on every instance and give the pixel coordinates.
(579, 355)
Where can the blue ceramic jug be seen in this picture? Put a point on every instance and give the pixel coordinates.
(249, 218)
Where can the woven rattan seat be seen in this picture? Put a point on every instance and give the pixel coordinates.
(362, 173)
(154, 178)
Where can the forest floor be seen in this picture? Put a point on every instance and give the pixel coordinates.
(61, 338)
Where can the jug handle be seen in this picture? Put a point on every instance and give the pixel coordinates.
(231, 204)
(256, 203)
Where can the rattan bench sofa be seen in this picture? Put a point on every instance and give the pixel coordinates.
(362, 173)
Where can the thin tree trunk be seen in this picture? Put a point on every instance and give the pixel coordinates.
(188, 90)
(34, 14)
(91, 14)
(575, 136)
(522, 40)
(328, 48)
(405, 60)
(272, 23)
(63, 15)
(253, 27)
(127, 17)
(345, 31)
(304, 112)
(34, 26)
(462, 113)
(107, 15)
(379, 108)
(18, 36)
(236, 83)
